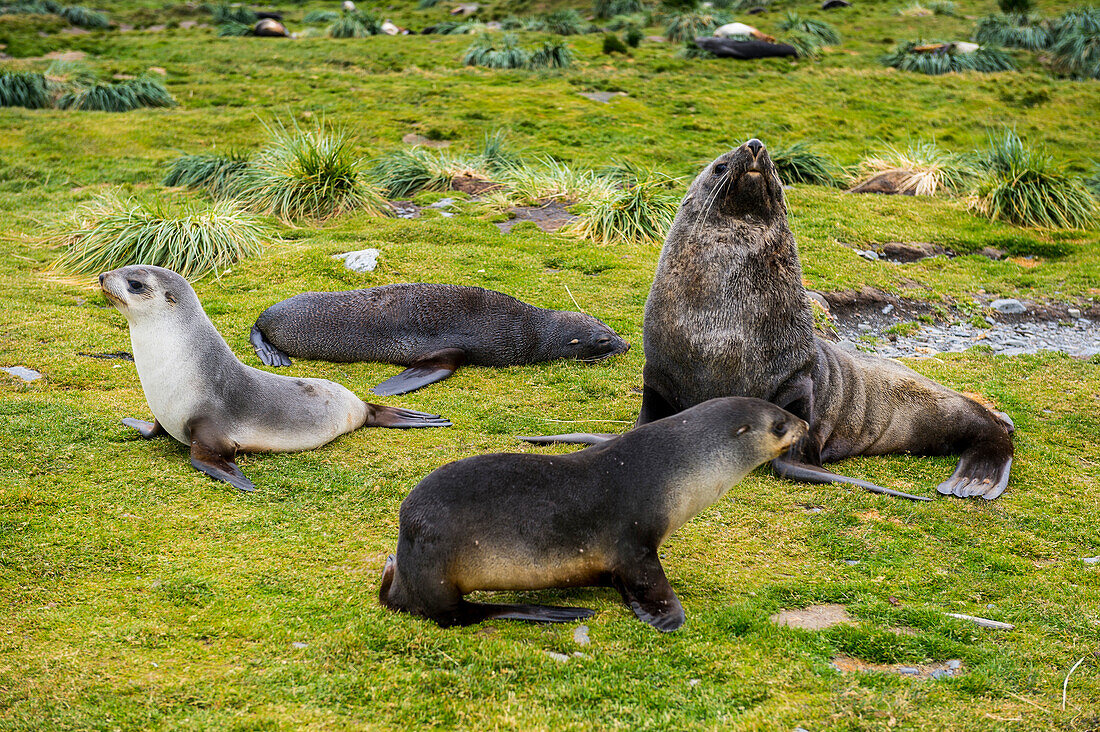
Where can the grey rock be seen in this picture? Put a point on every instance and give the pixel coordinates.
(300, 644)
(888, 309)
(868, 254)
(602, 96)
(954, 664)
(561, 657)
(851, 562)
(864, 326)
(693, 682)
(941, 673)
(908, 670)
(442, 203)
(1074, 313)
(1008, 306)
(580, 635)
(23, 372)
(983, 622)
(1091, 560)
(364, 260)
(819, 299)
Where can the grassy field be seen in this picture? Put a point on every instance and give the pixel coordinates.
(138, 594)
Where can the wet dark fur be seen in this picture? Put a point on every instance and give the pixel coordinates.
(594, 517)
(402, 323)
(728, 314)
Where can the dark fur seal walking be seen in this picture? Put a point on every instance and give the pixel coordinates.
(432, 329)
(594, 517)
(204, 397)
(728, 314)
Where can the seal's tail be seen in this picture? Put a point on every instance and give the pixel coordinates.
(269, 354)
(573, 438)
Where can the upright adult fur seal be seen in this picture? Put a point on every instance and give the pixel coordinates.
(432, 329)
(594, 517)
(728, 315)
(201, 395)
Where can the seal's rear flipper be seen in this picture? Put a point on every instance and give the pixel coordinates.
(536, 613)
(269, 354)
(398, 418)
(978, 475)
(427, 370)
(148, 430)
(573, 438)
(812, 474)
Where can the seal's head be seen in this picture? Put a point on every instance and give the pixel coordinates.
(741, 185)
(143, 291)
(585, 338)
(755, 427)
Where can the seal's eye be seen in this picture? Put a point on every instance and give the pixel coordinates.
(134, 285)
(721, 169)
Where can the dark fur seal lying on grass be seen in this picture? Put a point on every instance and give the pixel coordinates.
(728, 314)
(595, 517)
(204, 397)
(432, 329)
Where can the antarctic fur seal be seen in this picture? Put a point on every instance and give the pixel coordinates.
(593, 517)
(728, 315)
(201, 395)
(433, 329)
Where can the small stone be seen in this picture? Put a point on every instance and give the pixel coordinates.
(580, 635)
(578, 654)
(602, 96)
(908, 670)
(888, 309)
(863, 326)
(990, 320)
(693, 682)
(23, 372)
(1074, 313)
(300, 644)
(851, 562)
(1091, 560)
(1008, 306)
(868, 254)
(994, 254)
(557, 656)
(819, 299)
(940, 673)
(954, 664)
(443, 203)
(364, 260)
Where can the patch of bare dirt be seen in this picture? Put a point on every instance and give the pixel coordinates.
(472, 185)
(815, 617)
(549, 217)
(936, 670)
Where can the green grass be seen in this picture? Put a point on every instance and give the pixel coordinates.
(138, 594)
(189, 238)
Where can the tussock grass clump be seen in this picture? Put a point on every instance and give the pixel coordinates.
(233, 29)
(1028, 187)
(638, 212)
(824, 32)
(551, 55)
(76, 15)
(928, 169)
(355, 24)
(1013, 31)
(308, 174)
(321, 16)
(567, 22)
(407, 171)
(798, 163)
(944, 58)
(24, 89)
(497, 53)
(221, 175)
(1075, 44)
(549, 179)
(226, 13)
(806, 45)
(124, 96)
(190, 239)
(611, 8)
(686, 24)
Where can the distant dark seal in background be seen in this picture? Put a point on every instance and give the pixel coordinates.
(270, 28)
(729, 48)
(728, 315)
(201, 395)
(433, 329)
(595, 517)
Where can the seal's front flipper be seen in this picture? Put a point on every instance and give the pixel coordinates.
(427, 370)
(148, 430)
(981, 473)
(573, 438)
(646, 590)
(398, 418)
(812, 474)
(269, 354)
(210, 456)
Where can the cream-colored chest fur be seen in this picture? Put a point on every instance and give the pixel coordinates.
(166, 366)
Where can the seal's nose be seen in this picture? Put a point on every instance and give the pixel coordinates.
(755, 145)
(101, 276)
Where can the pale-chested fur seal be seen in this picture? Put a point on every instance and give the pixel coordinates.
(204, 397)
(594, 517)
(728, 315)
(433, 329)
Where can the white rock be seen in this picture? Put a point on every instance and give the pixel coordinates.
(389, 28)
(23, 373)
(1008, 306)
(364, 260)
(580, 635)
(557, 656)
